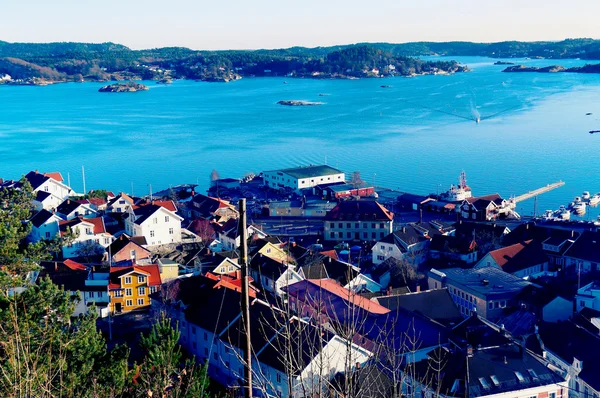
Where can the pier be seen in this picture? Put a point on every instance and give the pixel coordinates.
(538, 191)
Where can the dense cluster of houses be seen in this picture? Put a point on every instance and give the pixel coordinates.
(368, 308)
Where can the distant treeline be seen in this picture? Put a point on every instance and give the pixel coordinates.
(106, 61)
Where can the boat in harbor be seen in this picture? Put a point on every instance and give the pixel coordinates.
(548, 215)
(594, 200)
(577, 200)
(585, 195)
(562, 213)
(579, 208)
(458, 193)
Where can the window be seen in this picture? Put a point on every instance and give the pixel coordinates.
(552, 395)
(194, 345)
(152, 289)
(495, 380)
(491, 305)
(132, 254)
(503, 304)
(215, 356)
(47, 235)
(128, 303)
(484, 383)
(348, 225)
(205, 335)
(365, 225)
(331, 225)
(141, 291)
(382, 247)
(278, 377)
(532, 373)
(381, 226)
(128, 292)
(155, 220)
(91, 294)
(373, 226)
(381, 258)
(152, 234)
(349, 235)
(226, 350)
(373, 235)
(340, 225)
(88, 231)
(106, 241)
(141, 279)
(170, 231)
(205, 351)
(118, 293)
(140, 301)
(356, 225)
(166, 218)
(520, 377)
(128, 280)
(193, 329)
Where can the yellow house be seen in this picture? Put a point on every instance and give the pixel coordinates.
(129, 288)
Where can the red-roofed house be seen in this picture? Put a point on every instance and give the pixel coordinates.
(129, 287)
(232, 281)
(51, 188)
(521, 259)
(482, 208)
(88, 231)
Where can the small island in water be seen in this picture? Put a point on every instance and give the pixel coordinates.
(299, 103)
(130, 87)
(503, 63)
(590, 68)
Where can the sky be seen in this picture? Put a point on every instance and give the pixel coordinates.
(252, 24)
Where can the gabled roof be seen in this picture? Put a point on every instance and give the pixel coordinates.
(68, 206)
(151, 271)
(519, 256)
(481, 202)
(119, 244)
(406, 237)
(453, 244)
(542, 233)
(359, 210)
(97, 224)
(120, 196)
(41, 217)
(68, 274)
(55, 175)
(466, 229)
(167, 204)
(268, 267)
(586, 247)
(143, 213)
(207, 205)
(40, 196)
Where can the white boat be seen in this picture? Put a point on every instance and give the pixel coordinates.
(585, 195)
(548, 215)
(562, 213)
(594, 200)
(579, 208)
(577, 199)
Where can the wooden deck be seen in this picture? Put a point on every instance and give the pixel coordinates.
(538, 191)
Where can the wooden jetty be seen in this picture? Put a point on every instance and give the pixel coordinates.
(539, 191)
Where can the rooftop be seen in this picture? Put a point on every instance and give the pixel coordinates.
(308, 171)
(519, 256)
(481, 282)
(359, 210)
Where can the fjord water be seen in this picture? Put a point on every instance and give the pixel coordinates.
(403, 137)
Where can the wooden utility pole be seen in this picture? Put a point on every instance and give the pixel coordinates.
(243, 261)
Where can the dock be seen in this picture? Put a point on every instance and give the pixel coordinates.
(539, 191)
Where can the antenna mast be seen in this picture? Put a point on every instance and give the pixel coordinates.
(243, 261)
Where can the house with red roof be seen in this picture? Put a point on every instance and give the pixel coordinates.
(89, 233)
(129, 288)
(212, 209)
(49, 188)
(521, 259)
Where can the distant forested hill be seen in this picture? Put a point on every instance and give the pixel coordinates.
(110, 61)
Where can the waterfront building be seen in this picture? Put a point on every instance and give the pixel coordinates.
(356, 220)
(298, 178)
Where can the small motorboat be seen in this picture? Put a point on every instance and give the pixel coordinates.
(585, 195)
(594, 200)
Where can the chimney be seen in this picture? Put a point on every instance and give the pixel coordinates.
(572, 233)
(418, 288)
(55, 266)
(389, 291)
(505, 360)
(68, 201)
(121, 237)
(357, 365)
(469, 350)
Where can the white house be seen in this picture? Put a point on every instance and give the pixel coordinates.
(409, 243)
(157, 224)
(120, 203)
(273, 274)
(52, 184)
(298, 178)
(229, 237)
(70, 209)
(44, 226)
(88, 231)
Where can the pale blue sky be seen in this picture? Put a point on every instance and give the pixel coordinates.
(240, 24)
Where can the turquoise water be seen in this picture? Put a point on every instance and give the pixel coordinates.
(179, 133)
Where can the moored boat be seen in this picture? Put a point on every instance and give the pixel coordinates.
(585, 195)
(594, 200)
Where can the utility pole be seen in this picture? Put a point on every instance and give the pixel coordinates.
(243, 261)
(69, 179)
(150, 185)
(132, 194)
(83, 176)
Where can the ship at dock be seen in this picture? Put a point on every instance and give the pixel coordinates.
(458, 193)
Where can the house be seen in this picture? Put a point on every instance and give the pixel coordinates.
(298, 178)
(168, 269)
(355, 220)
(70, 209)
(129, 287)
(574, 352)
(273, 274)
(482, 362)
(127, 248)
(523, 259)
(44, 225)
(409, 243)
(488, 290)
(226, 183)
(453, 249)
(97, 204)
(96, 290)
(157, 224)
(482, 208)
(212, 209)
(296, 208)
(90, 236)
(70, 276)
(408, 201)
(588, 296)
(51, 184)
(229, 236)
(120, 203)
(584, 253)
